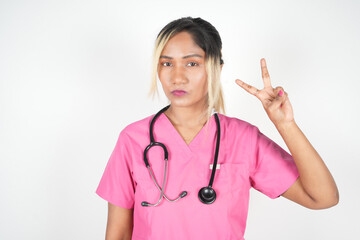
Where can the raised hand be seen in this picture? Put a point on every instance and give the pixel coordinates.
(274, 100)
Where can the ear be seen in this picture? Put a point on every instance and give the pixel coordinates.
(221, 66)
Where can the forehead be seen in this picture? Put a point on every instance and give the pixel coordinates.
(181, 44)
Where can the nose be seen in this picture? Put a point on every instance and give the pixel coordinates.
(179, 75)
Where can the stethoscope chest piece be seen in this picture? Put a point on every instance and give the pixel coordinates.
(207, 195)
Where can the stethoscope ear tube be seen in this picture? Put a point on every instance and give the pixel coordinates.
(181, 195)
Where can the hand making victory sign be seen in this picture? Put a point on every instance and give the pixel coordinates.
(274, 101)
(315, 187)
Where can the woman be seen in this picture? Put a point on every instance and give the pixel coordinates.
(153, 198)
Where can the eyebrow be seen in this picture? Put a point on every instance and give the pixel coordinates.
(187, 56)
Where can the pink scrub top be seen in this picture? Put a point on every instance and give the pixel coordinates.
(247, 158)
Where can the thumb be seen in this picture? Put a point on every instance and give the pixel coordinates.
(279, 100)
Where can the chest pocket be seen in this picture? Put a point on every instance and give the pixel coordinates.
(230, 179)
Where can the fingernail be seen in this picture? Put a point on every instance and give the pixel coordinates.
(281, 93)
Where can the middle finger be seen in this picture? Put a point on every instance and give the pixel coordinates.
(265, 73)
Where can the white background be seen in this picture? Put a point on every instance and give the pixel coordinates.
(74, 73)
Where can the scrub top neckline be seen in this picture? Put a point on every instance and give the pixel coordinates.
(195, 140)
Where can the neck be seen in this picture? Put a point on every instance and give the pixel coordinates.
(187, 116)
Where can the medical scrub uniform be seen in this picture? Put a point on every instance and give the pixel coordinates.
(247, 158)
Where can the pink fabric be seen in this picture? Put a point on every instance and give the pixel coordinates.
(247, 159)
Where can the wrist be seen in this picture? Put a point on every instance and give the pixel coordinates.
(285, 126)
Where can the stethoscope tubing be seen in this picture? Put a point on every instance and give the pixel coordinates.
(161, 189)
(207, 195)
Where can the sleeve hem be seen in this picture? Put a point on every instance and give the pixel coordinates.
(116, 203)
(286, 187)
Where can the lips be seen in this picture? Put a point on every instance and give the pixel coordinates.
(178, 92)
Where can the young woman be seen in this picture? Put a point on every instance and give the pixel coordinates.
(186, 172)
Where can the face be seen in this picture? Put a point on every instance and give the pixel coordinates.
(182, 67)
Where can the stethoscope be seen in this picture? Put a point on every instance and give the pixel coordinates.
(207, 195)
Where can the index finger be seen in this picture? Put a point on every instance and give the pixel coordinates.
(250, 89)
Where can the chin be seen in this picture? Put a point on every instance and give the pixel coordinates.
(179, 104)
(176, 103)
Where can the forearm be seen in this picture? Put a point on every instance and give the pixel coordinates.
(315, 177)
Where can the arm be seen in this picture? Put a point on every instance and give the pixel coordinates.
(119, 224)
(315, 188)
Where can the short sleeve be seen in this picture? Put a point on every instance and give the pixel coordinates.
(273, 170)
(116, 185)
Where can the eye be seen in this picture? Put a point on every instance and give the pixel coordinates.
(192, 64)
(166, 64)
